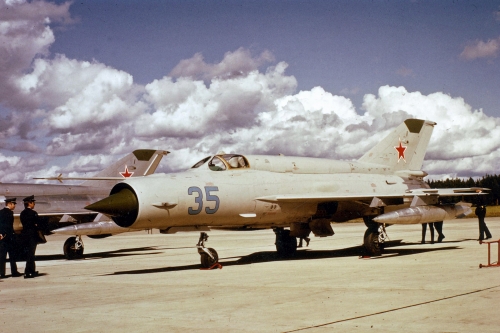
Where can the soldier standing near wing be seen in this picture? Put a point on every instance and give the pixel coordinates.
(30, 220)
(483, 229)
(7, 240)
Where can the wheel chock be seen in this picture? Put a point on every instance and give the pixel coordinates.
(495, 264)
(216, 265)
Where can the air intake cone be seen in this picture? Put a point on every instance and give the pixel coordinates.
(121, 206)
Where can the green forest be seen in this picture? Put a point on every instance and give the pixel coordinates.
(489, 181)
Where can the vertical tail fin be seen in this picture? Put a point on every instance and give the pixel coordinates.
(140, 162)
(404, 148)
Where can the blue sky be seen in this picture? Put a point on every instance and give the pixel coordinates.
(342, 46)
(85, 82)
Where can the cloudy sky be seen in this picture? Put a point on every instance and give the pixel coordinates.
(82, 83)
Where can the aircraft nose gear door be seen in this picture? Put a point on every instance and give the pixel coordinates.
(73, 248)
(208, 255)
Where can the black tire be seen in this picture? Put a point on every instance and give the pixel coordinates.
(206, 260)
(286, 245)
(371, 242)
(370, 224)
(70, 251)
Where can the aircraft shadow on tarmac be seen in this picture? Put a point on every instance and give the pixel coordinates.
(138, 251)
(391, 250)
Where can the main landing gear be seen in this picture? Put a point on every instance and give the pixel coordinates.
(374, 238)
(208, 255)
(73, 248)
(286, 245)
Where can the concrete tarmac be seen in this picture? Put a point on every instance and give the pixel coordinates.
(139, 282)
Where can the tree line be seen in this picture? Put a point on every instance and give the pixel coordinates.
(489, 181)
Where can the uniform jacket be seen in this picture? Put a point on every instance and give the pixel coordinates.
(29, 220)
(7, 222)
(480, 211)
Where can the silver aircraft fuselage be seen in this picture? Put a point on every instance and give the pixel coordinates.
(245, 196)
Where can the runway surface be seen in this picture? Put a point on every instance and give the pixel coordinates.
(139, 282)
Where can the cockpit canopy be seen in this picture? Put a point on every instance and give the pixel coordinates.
(224, 162)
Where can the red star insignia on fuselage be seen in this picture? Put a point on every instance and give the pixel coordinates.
(401, 151)
(126, 174)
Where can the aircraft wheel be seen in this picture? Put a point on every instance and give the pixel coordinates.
(371, 242)
(206, 260)
(286, 245)
(370, 224)
(71, 251)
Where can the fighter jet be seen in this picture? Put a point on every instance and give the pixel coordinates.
(291, 195)
(62, 205)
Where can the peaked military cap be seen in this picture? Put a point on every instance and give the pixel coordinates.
(31, 198)
(13, 200)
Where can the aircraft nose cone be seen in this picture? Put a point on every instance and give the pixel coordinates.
(122, 206)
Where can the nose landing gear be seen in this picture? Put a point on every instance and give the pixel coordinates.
(208, 256)
(73, 248)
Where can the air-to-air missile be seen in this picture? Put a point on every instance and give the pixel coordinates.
(424, 214)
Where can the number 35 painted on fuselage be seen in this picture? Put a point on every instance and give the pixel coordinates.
(198, 199)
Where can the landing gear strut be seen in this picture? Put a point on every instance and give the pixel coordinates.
(208, 255)
(286, 245)
(73, 248)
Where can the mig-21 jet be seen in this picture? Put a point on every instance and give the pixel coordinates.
(291, 195)
(61, 206)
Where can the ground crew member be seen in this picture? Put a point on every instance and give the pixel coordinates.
(7, 238)
(30, 221)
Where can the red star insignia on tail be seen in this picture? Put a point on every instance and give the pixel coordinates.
(126, 174)
(401, 151)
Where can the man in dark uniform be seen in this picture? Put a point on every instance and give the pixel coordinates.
(483, 229)
(7, 238)
(30, 220)
(435, 225)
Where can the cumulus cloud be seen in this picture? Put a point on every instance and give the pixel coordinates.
(24, 34)
(481, 49)
(315, 123)
(189, 108)
(77, 117)
(7, 165)
(96, 96)
(234, 64)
